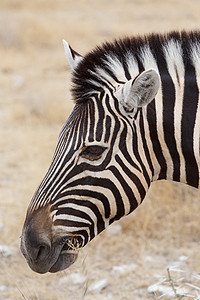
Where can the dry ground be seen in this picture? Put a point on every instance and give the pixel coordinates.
(34, 103)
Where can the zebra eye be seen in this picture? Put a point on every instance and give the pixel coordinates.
(92, 152)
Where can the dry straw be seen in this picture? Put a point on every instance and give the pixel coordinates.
(175, 285)
(84, 267)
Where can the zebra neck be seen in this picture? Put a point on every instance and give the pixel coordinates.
(173, 134)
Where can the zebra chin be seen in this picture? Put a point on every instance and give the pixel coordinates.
(65, 260)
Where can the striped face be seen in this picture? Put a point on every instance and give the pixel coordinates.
(95, 178)
(97, 174)
(87, 185)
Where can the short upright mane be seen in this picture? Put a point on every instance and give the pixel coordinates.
(113, 62)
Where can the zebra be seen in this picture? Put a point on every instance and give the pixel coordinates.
(136, 119)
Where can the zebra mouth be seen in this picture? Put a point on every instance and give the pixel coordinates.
(65, 259)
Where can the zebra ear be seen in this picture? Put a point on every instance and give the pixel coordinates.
(139, 91)
(72, 56)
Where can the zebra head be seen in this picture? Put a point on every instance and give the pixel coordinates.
(97, 174)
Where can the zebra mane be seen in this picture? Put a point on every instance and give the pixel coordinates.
(116, 62)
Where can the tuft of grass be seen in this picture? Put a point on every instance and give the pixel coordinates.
(74, 245)
(177, 283)
(84, 270)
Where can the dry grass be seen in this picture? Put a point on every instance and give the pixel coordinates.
(35, 102)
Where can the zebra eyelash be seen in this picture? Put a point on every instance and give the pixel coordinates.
(92, 152)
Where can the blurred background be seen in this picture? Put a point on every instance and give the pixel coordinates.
(133, 254)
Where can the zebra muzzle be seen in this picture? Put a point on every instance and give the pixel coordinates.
(43, 250)
(45, 257)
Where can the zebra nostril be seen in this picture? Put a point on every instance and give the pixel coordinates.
(42, 252)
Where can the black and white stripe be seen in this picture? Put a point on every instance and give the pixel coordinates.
(156, 141)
